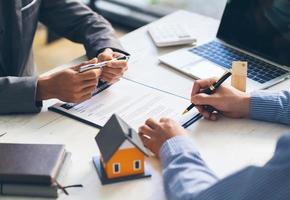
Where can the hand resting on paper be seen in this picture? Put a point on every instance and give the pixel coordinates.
(154, 134)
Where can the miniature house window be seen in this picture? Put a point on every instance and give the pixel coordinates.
(116, 168)
(137, 165)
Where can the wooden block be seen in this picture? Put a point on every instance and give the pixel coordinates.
(239, 75)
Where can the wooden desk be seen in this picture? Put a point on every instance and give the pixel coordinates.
(226, 145)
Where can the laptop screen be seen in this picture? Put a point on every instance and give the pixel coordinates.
(261, 27)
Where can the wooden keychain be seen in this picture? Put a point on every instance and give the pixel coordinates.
(239, 75)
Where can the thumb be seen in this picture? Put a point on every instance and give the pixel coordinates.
(203, 99)
(107, 54)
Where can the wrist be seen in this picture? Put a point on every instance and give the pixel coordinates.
(246, 99)
(44, 90)
(174, 146)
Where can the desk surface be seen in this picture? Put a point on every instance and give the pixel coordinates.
(226, 145)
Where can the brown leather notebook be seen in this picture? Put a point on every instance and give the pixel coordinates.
(30, 163)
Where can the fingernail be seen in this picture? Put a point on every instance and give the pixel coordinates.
(147, 137)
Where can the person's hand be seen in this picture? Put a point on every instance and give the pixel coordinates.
(114, 70)
(153, 134)
(226, 100)
(69, 85)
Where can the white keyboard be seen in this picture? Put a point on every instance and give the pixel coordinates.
(170, 35)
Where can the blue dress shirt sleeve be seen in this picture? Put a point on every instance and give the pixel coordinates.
(270, 106)
(185, 173)
(186, 176)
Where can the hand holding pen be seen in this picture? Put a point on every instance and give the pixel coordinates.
(227, 100)
(100, 65)
(115, 67)
(206, 87)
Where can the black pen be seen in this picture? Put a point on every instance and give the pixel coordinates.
(192, 120)
(211, 89)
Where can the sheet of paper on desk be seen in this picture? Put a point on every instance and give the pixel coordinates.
(133, 102)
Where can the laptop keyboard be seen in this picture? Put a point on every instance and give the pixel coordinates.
(223, 55)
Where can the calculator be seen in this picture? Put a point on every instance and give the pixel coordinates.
(165, 35)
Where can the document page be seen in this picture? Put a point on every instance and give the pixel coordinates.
(133, 102)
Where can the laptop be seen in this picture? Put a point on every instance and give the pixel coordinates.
(250, 30)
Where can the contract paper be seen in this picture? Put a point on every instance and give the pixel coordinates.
(133, 102)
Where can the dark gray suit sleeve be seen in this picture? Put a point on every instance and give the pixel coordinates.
(18, 95)
(77, 22)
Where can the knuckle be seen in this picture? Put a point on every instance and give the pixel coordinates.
(87, 97)
(94, 82)
(168, 126)
(74, 83)
(75, 79)
(150, 119)
(75, 90)
(105, 56)
(101, 56)
(197, 82)
(91, 73)
(74, 100)
(164, 119)
(141, 129)
(198, 97)
(119, 70)
(111, 79)
(94, 60)
(76, 96)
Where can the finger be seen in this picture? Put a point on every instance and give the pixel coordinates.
(146, 140)
(115, 81)
(214, 117)
(91, 74)
(110, 78)
(106, 55)
(203, 111)
(92, 61)
(114, 71)
(204, 99)
(107, 78)
(117, 54)
(85, 97)
(152, 123)
(118, 64)
(201, 84)
(164, 119)
(140, 133)
(199, 108)
(206, 114)
(146, 130)
(88, 90)
(83, 91)
(89, 83)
